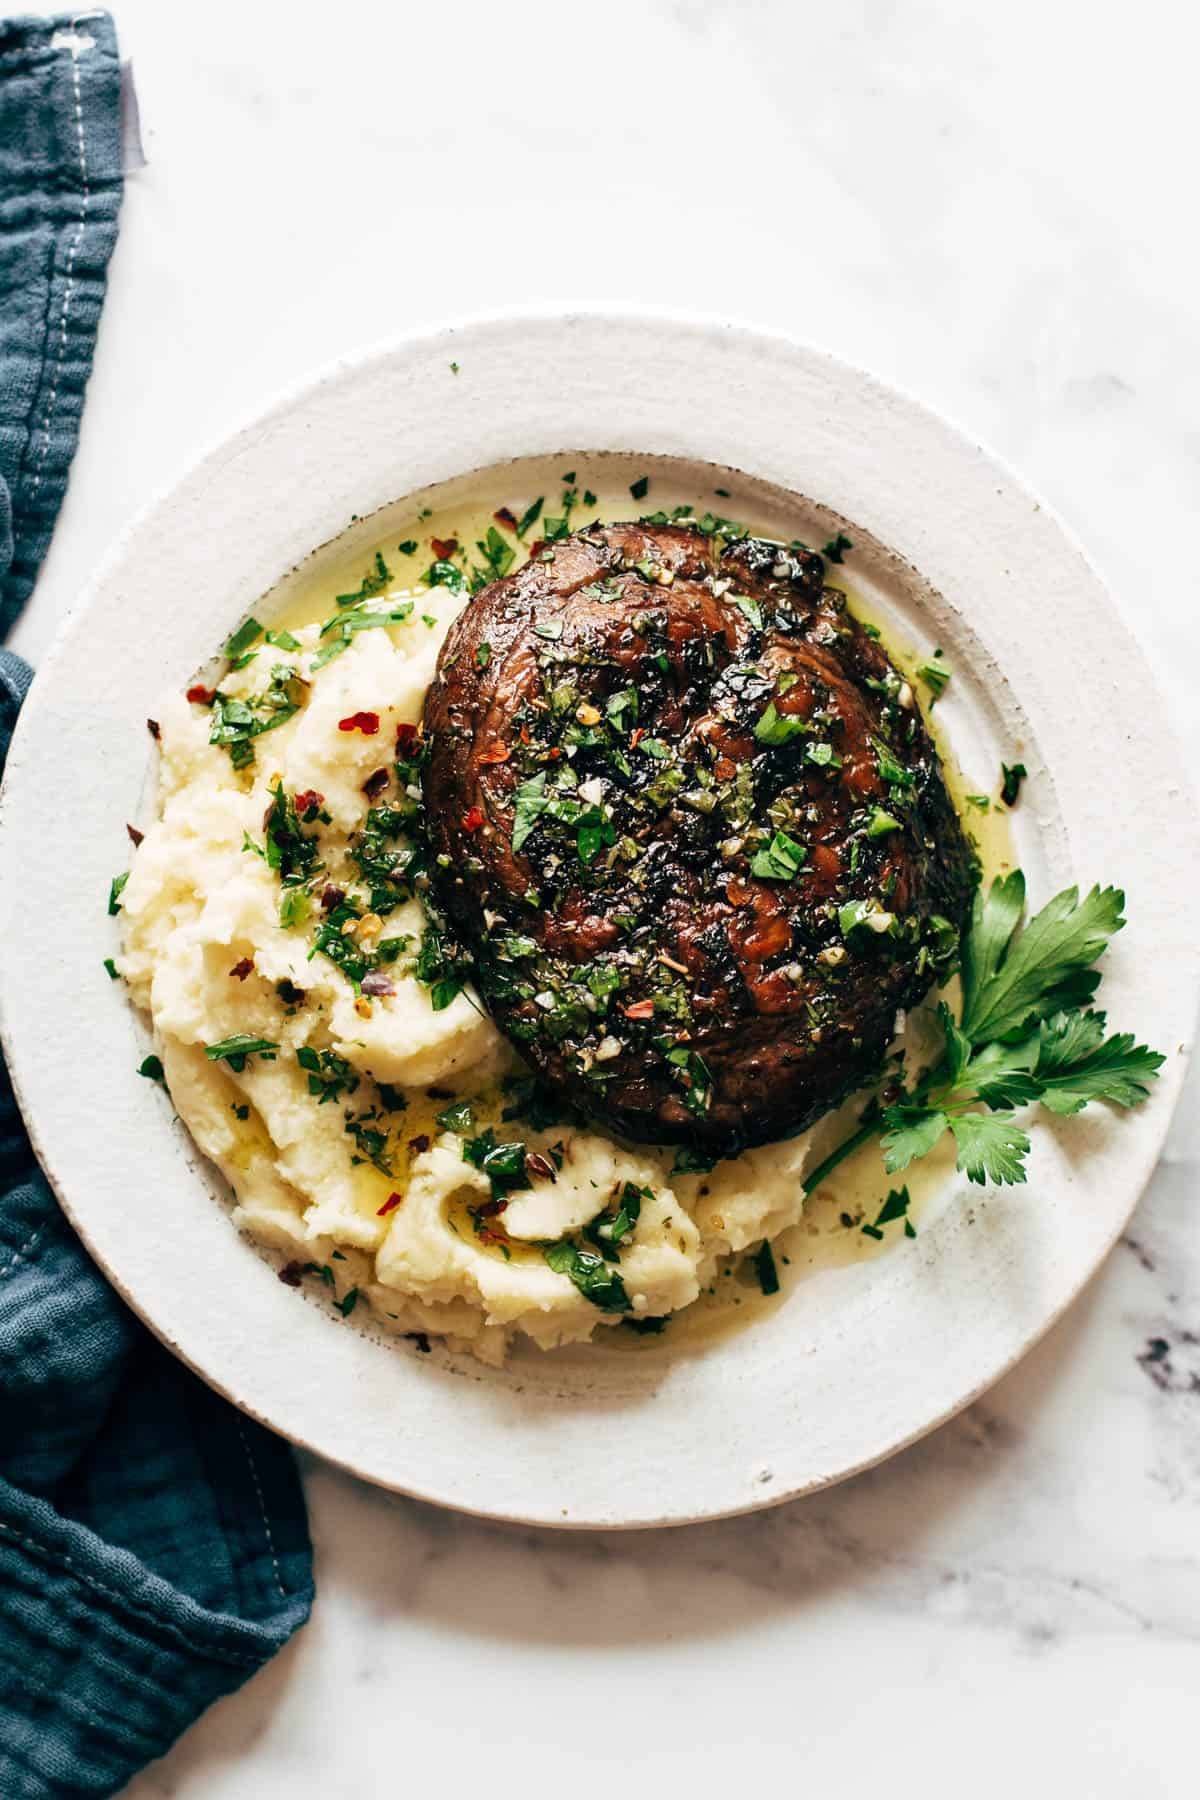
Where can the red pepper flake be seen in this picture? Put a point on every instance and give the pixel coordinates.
(641, 1009)
(419, 1145)
(444, 548)
(506, 518)
(472, 818)
(134, 835)
(389, 1205)
(309, 801)
(200, 695)
(537, 1164)
(498, 753)
(152, 726)
(636, 736)
(406, 738)
(374, 785)
(554, 755)
(292, 1274)
(525, 737)
(724, 770)
(244, 968)
(331, 897)
(491, 1208)
(737, 893)
(366, 722)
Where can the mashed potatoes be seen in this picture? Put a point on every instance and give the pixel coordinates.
(352, 1119)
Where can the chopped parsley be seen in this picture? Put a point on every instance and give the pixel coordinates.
(1013, 777)
(373, 582)
(152, 1069)
(781, 860)
(329, 1076)
(439, 969)
(764, 1268)
(116, 889)
(775, 727)
(894, 1207)
(595, 1279)
(640, 488)
(237, 1050)
(936, 677)
(836, 548)
(245, 635)
(236, 723)
(502, 1163)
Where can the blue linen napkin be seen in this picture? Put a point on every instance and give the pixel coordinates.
(154, 1546)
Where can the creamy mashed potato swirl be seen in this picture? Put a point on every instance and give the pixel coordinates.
(346, 1170)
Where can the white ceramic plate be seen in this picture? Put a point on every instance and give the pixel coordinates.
(856, 1362)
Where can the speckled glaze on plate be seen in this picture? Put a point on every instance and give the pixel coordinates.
(856, 1362)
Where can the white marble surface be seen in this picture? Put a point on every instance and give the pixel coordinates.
(991, 206)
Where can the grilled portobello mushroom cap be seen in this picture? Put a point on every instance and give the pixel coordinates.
(687, 823)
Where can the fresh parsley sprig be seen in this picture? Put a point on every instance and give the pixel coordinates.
(1025, 1034)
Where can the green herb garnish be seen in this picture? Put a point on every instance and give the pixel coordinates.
(894, 1207)
(116, 889)
(373, 582)
(502, 1163)
(764, 1268)
(329, 1075)
(458, 1118)
(237, 1049)
(775, 727)
(836, 548)
(596, 1279)
(245, 635)
(936, 676)
(235, 723)
(782, 860)
(152, 1069)
(1013, 777)
(1025, 1034)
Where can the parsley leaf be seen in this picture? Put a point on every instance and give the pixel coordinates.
(1024, 1035)
(1076, 1063)
(596, 1280)
(781, 860)
(911, 1132)
(1009, 976)
(775, 727)
(990, 1147)
(1013, 777)
(237, 1049)
(936, 676)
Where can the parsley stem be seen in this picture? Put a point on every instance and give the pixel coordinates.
(846, 1149)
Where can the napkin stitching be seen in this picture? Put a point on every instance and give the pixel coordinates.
(262, 1507)
(122, 1602)
(19, 1255)
(69, 289)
